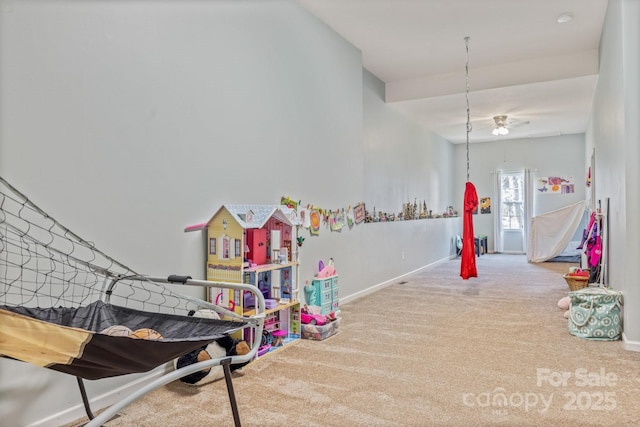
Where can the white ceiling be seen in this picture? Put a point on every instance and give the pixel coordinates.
(522, 62)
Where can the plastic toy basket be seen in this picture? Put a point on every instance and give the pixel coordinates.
(576, 282)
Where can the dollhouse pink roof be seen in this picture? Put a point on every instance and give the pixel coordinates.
(260, 213)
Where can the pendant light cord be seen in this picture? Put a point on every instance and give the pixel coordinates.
(466, 43)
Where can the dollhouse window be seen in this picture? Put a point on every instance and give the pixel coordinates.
(238, 250)
(212, 246)
(225, 248)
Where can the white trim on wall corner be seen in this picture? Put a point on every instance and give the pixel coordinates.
(630, 345)
(372, 289)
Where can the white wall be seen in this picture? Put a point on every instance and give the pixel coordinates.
(128, 121)
(404, 162)
(613, 135)
(550, 156)
(631, 76)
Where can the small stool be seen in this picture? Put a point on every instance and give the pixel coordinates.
(481, 245)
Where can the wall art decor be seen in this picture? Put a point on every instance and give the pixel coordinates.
(555, 185)
(485, 205)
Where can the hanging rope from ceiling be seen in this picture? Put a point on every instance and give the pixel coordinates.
(468, 263)
(466, 45)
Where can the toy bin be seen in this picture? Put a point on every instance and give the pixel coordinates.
(319, 333)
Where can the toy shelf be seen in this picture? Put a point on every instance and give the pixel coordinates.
(269, 267)
(276, 281)
(281, 328)
(286, 342)
(283, 306)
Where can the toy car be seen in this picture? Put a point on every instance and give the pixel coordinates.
(313, 319)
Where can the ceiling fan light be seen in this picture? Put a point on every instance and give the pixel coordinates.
(500, 131)
(500, 128)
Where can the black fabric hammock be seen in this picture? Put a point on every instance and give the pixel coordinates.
(67, 306)
(69, 340)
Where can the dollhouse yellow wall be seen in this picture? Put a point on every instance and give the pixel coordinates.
(225, 243)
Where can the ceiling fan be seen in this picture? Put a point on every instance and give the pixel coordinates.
(501, 125)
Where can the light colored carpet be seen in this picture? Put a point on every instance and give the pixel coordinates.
(434, 351)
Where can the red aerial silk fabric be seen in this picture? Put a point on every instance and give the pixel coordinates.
(468, 265)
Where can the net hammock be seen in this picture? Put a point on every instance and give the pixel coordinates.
(61, 299)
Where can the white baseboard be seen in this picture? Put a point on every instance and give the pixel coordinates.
(630, 345)
(97, 403)
(364, 292)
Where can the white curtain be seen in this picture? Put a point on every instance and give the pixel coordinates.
(497, 216)
(550, 233)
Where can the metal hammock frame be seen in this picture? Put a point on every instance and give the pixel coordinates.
(59, 294)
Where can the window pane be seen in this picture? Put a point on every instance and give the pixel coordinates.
(512, 209)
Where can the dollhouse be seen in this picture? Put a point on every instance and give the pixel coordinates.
(253, 244)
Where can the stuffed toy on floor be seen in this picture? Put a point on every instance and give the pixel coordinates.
(565, 304)
(225, 346)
